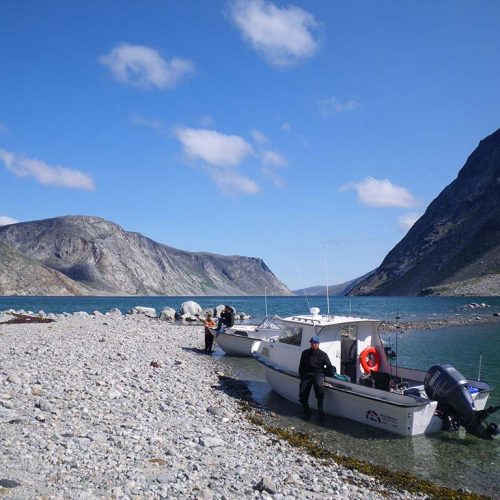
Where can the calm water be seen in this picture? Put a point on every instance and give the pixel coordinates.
(452, 459)
(386, 308)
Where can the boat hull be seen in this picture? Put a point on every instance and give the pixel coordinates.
(391, 412)
(236, 345)
(243, 340)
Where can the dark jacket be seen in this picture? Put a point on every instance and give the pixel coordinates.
(315, 362)
(227, 318)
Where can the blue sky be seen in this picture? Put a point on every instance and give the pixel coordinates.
(267, 129)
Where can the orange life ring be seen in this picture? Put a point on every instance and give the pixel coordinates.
(370, 359)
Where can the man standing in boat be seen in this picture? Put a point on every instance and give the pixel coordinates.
(314, 365)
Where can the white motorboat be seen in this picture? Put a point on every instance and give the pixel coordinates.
(242, 340)
(366, 387)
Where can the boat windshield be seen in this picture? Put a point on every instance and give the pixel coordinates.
(271, 323)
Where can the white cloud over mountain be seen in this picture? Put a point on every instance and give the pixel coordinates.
(406, 221)
(5, 220)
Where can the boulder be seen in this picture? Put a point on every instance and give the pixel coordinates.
(167, 314)
(190, 307)
(114, 312)
(150, 312)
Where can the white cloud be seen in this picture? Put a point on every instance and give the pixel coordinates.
(45, 174)
(221, 154)
(206, 121)
(151, 123)
(381, 193)
(406, 221)
(258, 136)
(4, 220)
(273, 158)
(213, 147)
(332, 106)
(144, 67)
(284, 36)
(276, 179)
(231, 181)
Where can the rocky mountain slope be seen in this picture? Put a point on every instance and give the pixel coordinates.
(20, 275)
(454, 248)
(89, 255)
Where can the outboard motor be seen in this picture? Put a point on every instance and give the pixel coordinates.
(447, 386)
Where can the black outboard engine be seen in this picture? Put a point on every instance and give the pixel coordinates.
(449, 388)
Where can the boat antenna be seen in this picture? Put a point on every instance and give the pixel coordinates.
(303, 289)
(327, 295)
(480, 361)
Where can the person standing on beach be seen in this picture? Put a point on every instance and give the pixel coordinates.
(314, 364)
(209, 338)
(226, 319)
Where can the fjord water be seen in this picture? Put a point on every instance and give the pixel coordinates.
(452, 459)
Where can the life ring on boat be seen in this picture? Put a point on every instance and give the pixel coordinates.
(370, 359)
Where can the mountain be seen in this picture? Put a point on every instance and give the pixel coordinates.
(91, 256)
(20, 275)
(454, 248)
(333, 290)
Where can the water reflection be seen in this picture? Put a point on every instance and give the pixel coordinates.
(456, 460)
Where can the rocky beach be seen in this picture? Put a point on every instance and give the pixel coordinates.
(128, 406)
(116, 406)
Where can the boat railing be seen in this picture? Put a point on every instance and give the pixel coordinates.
(301, 319)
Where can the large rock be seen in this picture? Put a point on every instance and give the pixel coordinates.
(167, 314)
(144, 311)
(190, 308)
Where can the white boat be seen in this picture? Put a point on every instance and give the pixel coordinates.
(366, 387)
(242, 340)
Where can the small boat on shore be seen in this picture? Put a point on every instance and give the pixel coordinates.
(366, 387)
(242, 340)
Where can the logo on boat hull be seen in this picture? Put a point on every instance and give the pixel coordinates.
(373, 416)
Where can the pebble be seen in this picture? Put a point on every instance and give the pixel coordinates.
(96, 419)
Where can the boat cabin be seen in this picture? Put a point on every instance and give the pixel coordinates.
(343, 338)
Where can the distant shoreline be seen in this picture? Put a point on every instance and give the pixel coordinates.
(438, 323)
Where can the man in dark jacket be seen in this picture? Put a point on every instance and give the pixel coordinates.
(314, 364)
(226, 318)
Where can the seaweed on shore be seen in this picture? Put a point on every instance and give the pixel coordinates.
(401, 480)
(25, 318)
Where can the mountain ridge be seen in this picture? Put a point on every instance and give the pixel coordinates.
(456, 240)
(101, 257)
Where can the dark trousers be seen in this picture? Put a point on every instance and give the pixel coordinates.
(209, 340)
(315, 380)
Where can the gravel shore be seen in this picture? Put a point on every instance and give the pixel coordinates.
(113, 406)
